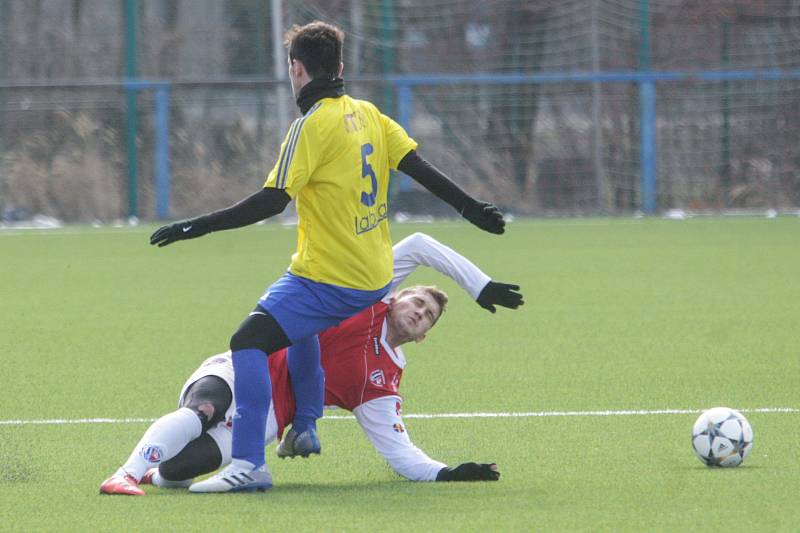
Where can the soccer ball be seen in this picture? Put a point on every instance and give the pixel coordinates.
(722, 437)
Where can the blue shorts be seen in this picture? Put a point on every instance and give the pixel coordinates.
(303, 307)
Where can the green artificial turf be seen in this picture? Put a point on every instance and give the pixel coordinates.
(620, 314)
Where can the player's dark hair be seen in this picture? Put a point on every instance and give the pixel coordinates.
(318, 46)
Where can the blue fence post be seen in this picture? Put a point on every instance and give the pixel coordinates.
(647, 154)
(647, 115)
(405, 101)
(162, 166)
(132, 111)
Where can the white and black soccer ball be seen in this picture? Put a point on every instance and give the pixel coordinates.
(722, 437)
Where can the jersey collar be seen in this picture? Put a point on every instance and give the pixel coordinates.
(396, 354)
(317, 89)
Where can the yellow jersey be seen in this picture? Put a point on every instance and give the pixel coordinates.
(335, 162)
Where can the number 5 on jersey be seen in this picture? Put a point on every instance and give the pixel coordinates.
(366, 170)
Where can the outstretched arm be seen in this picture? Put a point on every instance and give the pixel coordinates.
(420, 249)
(483, 214)
(265, 203)
(384, 428)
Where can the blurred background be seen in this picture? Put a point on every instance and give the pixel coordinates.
(170, 108)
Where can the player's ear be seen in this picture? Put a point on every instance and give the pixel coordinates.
(297, 67)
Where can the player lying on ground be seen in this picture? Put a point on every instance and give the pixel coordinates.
(364, 382)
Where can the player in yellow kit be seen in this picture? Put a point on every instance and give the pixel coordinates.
(335, 162)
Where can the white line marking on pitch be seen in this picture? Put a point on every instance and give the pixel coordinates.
(541, 414)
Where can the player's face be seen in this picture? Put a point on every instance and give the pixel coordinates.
(413, 315)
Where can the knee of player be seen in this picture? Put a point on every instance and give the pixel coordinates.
(206, 409)
(259, 331)
(239, 341)
(205, 413)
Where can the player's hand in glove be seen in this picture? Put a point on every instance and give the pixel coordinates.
(179, 231)
(486, 216)
(502, 294)
(469, 472)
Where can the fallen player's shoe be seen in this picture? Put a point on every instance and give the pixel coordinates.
(303, 444)
(236, 477)
(124, 485)
(152, 477)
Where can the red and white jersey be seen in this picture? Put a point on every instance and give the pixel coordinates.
(359, 365)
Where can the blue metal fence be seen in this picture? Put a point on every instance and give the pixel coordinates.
(647, 81)
(404, 89)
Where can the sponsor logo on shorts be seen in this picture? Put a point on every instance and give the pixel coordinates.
(399, 428)
(398, 408)
(152, 453)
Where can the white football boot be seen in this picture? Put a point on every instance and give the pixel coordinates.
(239, 476)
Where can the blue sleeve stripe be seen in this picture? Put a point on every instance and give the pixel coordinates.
(282, 173)
(285, 150)
(313, 108)
(294, 135)
(290, 153)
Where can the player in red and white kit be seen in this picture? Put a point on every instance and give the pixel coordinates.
(363, 365)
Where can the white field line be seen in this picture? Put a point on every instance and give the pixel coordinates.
(540, 414)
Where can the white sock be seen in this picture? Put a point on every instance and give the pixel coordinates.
(159, 481)
(163, 440)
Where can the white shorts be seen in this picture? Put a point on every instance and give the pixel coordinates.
(221, 366)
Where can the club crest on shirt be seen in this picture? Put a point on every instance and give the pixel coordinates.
(377, 378)
(152, 453)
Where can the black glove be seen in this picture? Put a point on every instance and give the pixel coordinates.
(469, 472)
(179, 231)
(486, 216)
(499, 294)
